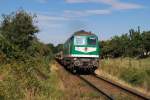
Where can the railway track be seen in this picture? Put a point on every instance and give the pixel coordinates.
(111, 89)
(96, 88)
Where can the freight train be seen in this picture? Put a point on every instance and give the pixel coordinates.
(80, 52)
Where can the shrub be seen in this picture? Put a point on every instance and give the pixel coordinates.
(133, 76)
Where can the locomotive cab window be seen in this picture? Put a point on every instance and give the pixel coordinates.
(91, 40)
(80, 40)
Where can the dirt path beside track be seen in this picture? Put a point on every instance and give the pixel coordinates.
(74, 88)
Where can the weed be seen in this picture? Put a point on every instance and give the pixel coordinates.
(133, 71)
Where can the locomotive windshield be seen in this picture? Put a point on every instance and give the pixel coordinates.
(80, 40)
(91, 41)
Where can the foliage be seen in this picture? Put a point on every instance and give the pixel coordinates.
(18, 27)
(133, 76)
(24, 61)
(133, 71)
(134, 44)
(146, 41)
(55, 49)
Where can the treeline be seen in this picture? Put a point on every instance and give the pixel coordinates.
(55, 49)
(22, 56)
(132, 44)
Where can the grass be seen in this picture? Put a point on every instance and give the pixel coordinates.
(16, 84)
(135, 72)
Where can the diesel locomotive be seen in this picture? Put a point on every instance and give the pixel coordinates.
(80, 52)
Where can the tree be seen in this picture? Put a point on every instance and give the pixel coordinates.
(135, 42)
(116, 46)
(125, 41)
(58, 48)
(19, 28)
(52, 47)
(146, 41)
(106, 48)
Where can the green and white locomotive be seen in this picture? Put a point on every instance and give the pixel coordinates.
(81, 52)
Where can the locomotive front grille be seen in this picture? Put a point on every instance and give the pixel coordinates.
(85, 62)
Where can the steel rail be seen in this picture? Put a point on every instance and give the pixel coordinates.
(127, 89)
(95, 88)
(116, 84)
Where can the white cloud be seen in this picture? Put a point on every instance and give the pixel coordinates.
(51, 18)
(98, 12)
(115, 4)
(125, 6)
(49, 27)
(77, 1)
(42, 1)
(46, 22)
(75, 13)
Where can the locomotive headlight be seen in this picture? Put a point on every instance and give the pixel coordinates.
(74, 58)
(77, 63)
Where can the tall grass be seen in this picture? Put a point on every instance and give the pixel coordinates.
(21, 81)
(133, 71)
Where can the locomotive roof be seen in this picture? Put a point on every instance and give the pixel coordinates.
(82, 32)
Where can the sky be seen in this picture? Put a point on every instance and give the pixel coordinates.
(58, 19)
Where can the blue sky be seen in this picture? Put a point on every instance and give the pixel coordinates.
(58, 19)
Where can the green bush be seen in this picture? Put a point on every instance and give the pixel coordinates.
(133, 76)
(24, 61)
(148, 71)
(22, 75)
